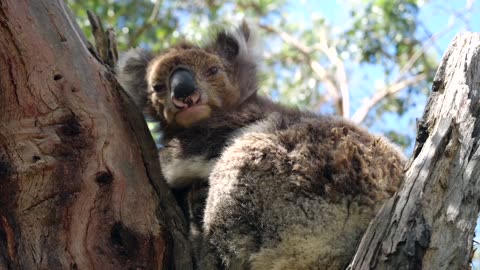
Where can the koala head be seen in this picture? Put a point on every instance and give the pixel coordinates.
(187, 84)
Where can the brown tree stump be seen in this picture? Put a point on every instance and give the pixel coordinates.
(80, 185)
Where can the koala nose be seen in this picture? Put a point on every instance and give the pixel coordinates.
(182, 84)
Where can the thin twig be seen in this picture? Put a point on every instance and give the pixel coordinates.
(340, 72)
(319, 71)
(413, 59)
(362, 113)
(146, 24)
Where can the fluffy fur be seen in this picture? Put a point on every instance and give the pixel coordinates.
(265, 186)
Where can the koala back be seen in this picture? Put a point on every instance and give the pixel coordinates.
(297, 193)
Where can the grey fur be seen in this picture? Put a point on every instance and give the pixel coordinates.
(278, 200)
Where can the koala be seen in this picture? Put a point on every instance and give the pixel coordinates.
(265, 186)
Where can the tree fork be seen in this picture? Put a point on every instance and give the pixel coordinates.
(430, 222)
(80, 184)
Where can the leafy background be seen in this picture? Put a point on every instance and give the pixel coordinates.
(372, 61)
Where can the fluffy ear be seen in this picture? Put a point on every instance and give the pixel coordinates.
(131, 74)
(238, 44)
(240, 50)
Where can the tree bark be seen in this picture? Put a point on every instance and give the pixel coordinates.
(430, 222)
(80, 183)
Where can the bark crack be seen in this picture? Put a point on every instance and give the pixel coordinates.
(10, 237)
(41, 201)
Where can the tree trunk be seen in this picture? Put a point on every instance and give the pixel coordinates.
(80, 185)
(430, 223)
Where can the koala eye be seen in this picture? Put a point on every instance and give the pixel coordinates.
(159, 88)
(212, 71)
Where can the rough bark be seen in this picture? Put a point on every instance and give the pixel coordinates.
(430, 223)
(80, 185)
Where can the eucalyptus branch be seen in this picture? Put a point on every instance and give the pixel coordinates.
(319, 71)
(362, 113)
(401, 82)
(146, 24)
(340, 72)
(430, 42)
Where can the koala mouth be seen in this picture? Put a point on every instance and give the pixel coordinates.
(191, 109)
(187, 102)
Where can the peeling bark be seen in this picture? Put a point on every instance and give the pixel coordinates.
(430, 222)
(80, 184)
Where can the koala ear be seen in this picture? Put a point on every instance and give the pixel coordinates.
(239, 48)
(131, 74)
(227, 46)
(231, 45)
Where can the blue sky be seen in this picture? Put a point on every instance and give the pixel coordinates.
(435, 15)
(445, 17)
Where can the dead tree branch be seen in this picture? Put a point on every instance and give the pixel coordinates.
(430, 223)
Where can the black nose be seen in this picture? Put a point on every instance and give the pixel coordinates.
(182, 83)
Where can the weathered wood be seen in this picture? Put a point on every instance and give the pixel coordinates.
(430, 223)
(80, 185)
(105, 40)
